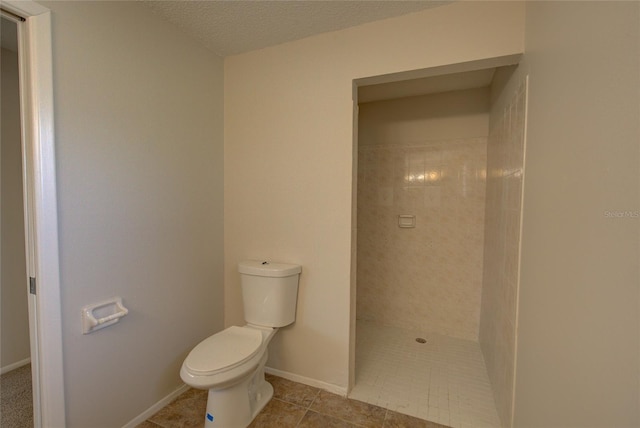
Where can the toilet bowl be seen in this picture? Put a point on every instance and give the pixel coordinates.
(230, 364)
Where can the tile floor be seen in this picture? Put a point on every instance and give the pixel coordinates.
(293, 405)
(443, 380)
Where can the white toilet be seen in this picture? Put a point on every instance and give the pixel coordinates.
(230, 364)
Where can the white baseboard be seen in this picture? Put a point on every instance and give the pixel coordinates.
(335, 389)
(15, 365)
(155, 408)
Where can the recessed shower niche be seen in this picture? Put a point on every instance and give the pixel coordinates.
(434, 150)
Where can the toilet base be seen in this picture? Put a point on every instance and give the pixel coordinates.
(237, 405)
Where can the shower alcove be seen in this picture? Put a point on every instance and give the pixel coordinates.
(437, 218)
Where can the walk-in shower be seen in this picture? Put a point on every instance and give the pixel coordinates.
(433, 189)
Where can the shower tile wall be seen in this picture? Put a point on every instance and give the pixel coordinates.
(505, 156)
(426, 278)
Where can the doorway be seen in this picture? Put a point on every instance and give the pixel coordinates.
(40, 205)
(438, 184)
(17, 397)
(421, 204)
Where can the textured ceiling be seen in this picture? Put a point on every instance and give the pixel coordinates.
(235, 26)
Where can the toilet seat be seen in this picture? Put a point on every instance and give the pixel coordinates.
(224, 351)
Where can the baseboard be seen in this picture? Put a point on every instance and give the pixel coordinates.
(335, 389)
(15, 365)
(156, 407)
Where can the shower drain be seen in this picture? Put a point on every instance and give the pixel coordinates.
(421, 340)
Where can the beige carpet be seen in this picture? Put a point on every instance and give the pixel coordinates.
(16, 405)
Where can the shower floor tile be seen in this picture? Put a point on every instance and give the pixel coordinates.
(443, 380)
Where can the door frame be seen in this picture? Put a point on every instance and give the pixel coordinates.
(41, 213)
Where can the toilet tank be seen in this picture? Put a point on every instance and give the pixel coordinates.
(269, 292)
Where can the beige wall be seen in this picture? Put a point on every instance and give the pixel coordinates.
(498, 319)
(15, 317)
(423, 156)
(439, 116)
(138, 118)
(288, 159)
(578, 341)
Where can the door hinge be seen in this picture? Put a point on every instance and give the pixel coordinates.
(32, 285)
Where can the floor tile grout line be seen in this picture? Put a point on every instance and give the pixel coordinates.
(156, 423)
(305, 408)
(314, 399)
(309, 409)
(302, 417)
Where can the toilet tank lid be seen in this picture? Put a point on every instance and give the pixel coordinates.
(265, 268)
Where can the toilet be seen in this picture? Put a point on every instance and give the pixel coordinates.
(230, 364)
